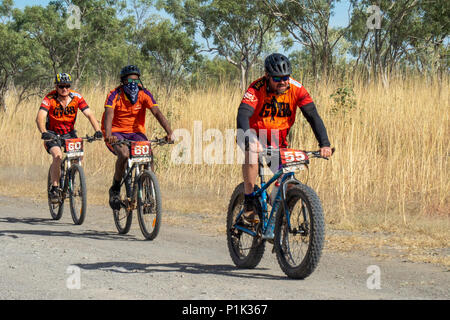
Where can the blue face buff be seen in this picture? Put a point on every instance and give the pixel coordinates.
(131, 90)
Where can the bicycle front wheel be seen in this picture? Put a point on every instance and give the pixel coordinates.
(149, 205)
(56, 208)
(77, 194)
(124, 216)
(299, 248)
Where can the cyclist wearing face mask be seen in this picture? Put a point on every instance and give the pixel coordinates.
(269, 108)
(124, 118)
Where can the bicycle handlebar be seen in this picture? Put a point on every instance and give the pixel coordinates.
(312, 154)
(87, 138)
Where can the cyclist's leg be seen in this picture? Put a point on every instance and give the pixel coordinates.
(54, 149)
(250, 171)
(121, 152)
(250, 174)
(55, 168)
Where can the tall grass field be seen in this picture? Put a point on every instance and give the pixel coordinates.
(389, 172)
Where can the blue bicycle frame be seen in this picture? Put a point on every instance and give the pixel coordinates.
(268, 222)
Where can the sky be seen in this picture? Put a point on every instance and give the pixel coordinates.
(340, 18)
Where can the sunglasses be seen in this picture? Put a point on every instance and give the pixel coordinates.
(64, 86)
(279, 79)
(133, 80)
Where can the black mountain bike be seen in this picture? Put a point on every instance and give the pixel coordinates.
(72, 182)
(139, 189)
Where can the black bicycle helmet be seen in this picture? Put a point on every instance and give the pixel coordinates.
(63, 78)
(277, 65)
(131, 69)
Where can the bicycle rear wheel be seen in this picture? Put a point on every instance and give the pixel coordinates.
(77, 194)
(149, 205)
(56, 209)
(245, 250)
(298, 250)
(124, 216)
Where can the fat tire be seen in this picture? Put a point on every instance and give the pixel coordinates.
(147, 174)
(73, 170)
(317, 232)
(258, 245)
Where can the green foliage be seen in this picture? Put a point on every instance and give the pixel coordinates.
(234, 29)
(36, 41)
(344, 100)
(171, 50)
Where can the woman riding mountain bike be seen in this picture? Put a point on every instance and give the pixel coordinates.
(56, 116)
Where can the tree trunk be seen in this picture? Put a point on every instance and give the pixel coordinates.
(3, 106)
(244, 73)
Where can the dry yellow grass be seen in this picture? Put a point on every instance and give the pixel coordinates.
(389, 174)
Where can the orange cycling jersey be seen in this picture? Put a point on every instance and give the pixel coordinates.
(275, 112)
(62, 119)
(128, 118)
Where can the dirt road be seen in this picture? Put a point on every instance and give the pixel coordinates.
(46, 259)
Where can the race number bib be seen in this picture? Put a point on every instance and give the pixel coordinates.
(289, 156)
(74, 147)
(140, 149)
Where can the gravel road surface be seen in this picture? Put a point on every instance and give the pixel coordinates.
(46, 259)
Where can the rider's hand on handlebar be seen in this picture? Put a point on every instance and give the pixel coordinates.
(326, 152)
(98, 135)
(111, 139)
(255, 147)
(169, 138)
(47, 136)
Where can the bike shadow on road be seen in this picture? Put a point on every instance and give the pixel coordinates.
(91, 234)
(180, 267)
(34, 221)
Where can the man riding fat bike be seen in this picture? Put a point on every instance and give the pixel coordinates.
(268, 110)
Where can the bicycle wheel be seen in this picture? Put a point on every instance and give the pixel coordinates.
(124, 216)
(56, 209)
(298, 251)
(149, 205)
(77, 194)
(245, 250)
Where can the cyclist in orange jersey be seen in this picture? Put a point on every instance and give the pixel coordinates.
(124, 118)
(56, 116)
(267, 113)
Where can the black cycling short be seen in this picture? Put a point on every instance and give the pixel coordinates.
(50, 144)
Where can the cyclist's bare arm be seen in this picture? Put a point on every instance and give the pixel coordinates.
(109, 115)
(162, 121)
(91, 117)
(41, 119)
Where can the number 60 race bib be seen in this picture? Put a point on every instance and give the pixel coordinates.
(140, 149)
(74, 147)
